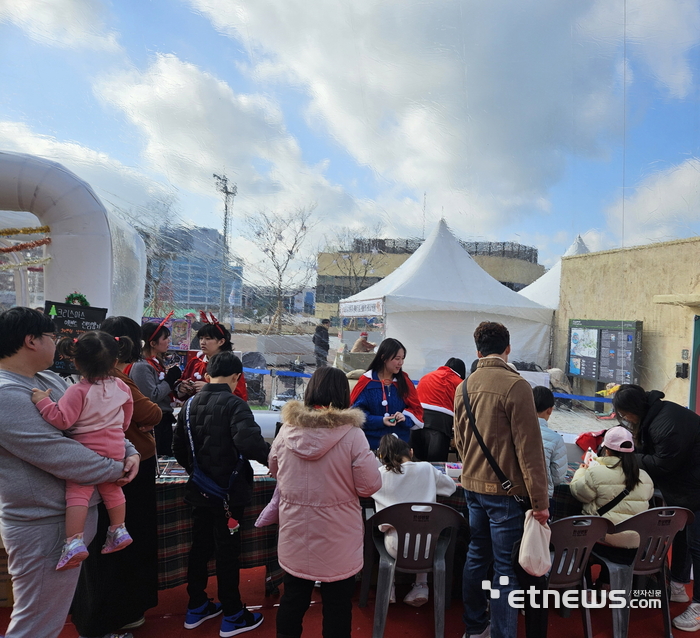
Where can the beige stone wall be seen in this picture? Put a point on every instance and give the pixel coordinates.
(333, 264)
(620, 285)
(326, 310)
(513, 270)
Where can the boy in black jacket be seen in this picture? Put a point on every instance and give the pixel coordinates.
(222, 428)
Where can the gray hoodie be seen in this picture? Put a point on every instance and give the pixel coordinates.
(36, 458)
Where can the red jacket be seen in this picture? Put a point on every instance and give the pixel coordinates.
(196, 368)
(436, 390)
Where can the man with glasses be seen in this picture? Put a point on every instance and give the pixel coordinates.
(35, 461)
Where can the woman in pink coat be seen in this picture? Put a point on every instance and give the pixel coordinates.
(323, 464)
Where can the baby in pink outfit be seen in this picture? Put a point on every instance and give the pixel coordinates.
(95, 411)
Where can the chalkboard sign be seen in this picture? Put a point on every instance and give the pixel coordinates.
(72, 321)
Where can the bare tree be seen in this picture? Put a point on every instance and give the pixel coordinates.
(285, 268)
(355, 256)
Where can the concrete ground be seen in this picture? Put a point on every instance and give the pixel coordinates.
(577, 421)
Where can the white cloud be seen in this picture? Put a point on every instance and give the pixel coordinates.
(478, 103)
(664, 206)
(193, 125)
(660, 34)
(63, 23)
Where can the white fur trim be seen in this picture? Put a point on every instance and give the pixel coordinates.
(417, 425)
(437, 408)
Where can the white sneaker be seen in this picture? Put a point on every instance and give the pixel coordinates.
(689, 620)
(484, 634)
(678, 593)
(418, 595)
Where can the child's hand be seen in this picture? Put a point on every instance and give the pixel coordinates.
(39, 395)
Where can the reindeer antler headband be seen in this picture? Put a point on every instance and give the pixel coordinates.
(212, 321)
(161, 324)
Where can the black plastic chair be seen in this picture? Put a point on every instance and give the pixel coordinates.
(656, 528)
(426, 540)
(573, 539)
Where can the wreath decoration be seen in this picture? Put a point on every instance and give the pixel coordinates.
(77, 299)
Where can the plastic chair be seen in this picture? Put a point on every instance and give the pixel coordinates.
(573, 539)
(422, 547)
(656, 528)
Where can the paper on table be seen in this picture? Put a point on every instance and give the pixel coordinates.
(259, 469)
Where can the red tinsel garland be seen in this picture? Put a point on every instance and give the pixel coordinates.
(26, 245)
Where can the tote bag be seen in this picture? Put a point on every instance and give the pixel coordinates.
(534, 556)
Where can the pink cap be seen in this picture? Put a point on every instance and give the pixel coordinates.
(619, 439)
(364, 334)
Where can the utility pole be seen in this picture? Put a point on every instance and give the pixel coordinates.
(223, 187)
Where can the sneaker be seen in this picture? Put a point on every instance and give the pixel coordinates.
(418, 595)
(484, 634)
(239, 623)
(74, 552)
(689, 620)
(117, 539)
(678, 593)
(195, 617)
(134, 625)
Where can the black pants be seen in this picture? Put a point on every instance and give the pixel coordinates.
(164, 435)
(116, 589)
(537, 618)
(211, 538)
(337, 607)
(430, 445)
(321, 358)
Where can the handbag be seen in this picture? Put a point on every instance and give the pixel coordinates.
(534, 556)
(506, 484)
(206, 485)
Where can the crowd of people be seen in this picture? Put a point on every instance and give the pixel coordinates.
(333, 449)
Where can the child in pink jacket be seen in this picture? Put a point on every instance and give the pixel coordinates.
(95, 411)
(323, 465)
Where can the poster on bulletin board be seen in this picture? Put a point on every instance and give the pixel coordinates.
(605, 351)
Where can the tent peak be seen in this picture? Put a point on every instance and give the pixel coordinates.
(577, 248)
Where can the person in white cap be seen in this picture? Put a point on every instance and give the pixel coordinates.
(614, 487)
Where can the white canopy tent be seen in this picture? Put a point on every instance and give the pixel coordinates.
(545, 290)
(434, 301)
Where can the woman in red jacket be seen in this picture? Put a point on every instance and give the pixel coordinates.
(436, 392)
(213, 338)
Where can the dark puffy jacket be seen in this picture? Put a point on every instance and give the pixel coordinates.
(321, 339)
(222, 427)
(669, 450)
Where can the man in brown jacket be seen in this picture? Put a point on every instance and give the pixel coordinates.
(504, 412)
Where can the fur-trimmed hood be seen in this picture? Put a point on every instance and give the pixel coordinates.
(297, 414)
(311, 433)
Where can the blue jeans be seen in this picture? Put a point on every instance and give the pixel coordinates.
(496, 523)
(686, 552)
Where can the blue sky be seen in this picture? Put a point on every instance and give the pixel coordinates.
(522, 120)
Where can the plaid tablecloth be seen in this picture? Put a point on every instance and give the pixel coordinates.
(259, 545)
(563, 504)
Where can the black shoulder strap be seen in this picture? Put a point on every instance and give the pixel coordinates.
(505, 481)
(610, 504)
